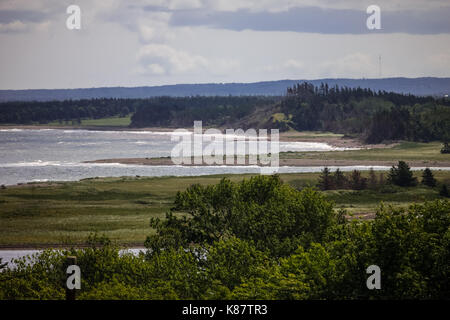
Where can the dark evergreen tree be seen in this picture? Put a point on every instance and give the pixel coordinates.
(357, 181)
(402, 175)
(340, 181)
(325, 179)
(444, 191)
(373, 183)
(428, 178)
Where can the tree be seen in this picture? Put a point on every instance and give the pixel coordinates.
(444, 191)
(234, 260)
(428, 178)
(325, 179)
(402, 175)
(357, 181)
(373, 183)
(340, 181)
(262, 209)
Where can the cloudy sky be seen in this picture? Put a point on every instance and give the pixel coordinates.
(155, 42)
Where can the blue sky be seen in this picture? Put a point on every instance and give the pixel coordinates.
(154, 42)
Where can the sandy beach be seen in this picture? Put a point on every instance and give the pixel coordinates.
(283, 162)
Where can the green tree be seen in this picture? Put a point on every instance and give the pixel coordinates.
(262, 209)
(232, 261)
(357, 181)
(428, 178)
(340, 181)
(402, 175)
(372, 181)
(444, 191)
(326, 180)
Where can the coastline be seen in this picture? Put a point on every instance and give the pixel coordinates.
(334, 140)
(283, 162)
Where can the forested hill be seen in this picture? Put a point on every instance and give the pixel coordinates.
(375, 116)
(416, 86)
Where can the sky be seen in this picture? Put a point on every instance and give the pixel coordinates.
(156, 42)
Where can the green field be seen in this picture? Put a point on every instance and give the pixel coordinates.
(67, 212)
(312, 134)
(407, 151)
(104, 122)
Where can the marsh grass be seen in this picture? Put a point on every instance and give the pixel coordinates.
(65, 213)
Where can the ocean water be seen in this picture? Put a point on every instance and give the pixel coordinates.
(8, 256)
(28, 155)
(58, 155)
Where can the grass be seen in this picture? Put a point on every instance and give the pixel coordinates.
(408, 151)
(104, 122)
(313, 134)
(66, 213)
(108, 122)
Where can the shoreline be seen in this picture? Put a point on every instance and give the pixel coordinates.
(334, 140)
(282, 163)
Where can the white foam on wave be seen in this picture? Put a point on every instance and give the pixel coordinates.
(37, 163)
(300, 146)
(11, 130)
(40, 163)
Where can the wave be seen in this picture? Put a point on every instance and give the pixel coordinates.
(40, 163)
(139, 132)
(11, 130)
(311, 146)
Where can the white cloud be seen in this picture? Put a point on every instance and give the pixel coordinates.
(293, 64)
(18, 26)
(170, 60)
(290, 66)
(15, 26)
(155, 68)
(127, 43)
(154, 27)
(283, 5)
(357, 64)
(184, 4)
(157, 59)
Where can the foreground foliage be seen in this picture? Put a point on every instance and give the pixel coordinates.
(258, 239)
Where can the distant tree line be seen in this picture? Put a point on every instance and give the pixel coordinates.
(68, 110)
(183, 111)
(158, 111)
(376, 116)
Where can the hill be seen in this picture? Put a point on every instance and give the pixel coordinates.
(415, 86)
